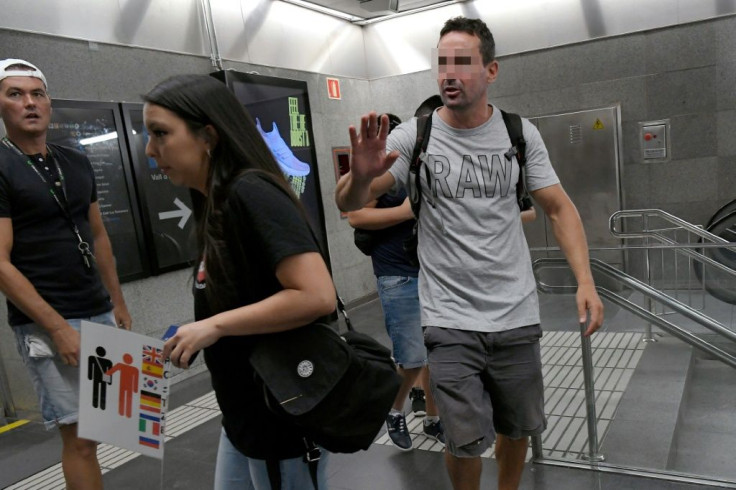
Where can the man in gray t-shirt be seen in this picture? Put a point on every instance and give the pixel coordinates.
(477, 291)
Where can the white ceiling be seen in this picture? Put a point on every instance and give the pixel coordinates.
(374, 9)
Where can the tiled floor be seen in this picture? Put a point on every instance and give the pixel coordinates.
(29, 455)
(190, 457)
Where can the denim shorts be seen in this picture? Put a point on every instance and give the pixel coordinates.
(55, 383)
(486, 384)
(400, 302)
(235, 471)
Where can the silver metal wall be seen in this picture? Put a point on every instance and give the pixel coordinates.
(585, 150)
(273, 33)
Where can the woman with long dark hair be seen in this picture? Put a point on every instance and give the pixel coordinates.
(260, 270)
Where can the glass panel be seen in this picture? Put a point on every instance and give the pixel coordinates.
(166, 208)
(95, 128)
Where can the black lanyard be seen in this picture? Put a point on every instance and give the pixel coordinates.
(83, 246)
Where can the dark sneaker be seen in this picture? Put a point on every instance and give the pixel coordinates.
(418, 403)
(435, 431)
(398, 432)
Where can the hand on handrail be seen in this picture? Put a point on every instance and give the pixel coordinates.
(590, 308)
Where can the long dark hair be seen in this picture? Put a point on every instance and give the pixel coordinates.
(201, 100)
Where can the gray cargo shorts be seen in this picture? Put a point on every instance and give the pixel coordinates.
(486, 384)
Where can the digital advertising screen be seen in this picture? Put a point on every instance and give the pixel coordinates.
(96, 129)
(280, 109)
(168, 221)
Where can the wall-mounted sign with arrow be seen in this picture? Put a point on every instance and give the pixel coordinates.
(183, 213)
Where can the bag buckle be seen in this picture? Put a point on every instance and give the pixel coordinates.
(313, 454)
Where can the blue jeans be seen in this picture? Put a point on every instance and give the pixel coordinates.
(235, 471)
(400, 302)
(55, 383)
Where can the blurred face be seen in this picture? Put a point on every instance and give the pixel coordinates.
(25, 107)
(179, 153)
(461, 76)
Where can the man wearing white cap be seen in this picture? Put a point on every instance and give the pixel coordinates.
(56, 262)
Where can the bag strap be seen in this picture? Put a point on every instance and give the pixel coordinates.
(274, 473)
(518, 149)
(312, 457)
(424, 129)
(343, 311)
(340, 303)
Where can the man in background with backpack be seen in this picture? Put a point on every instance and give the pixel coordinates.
(387, 222)
(477, 291)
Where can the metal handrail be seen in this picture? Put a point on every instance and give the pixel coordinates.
(594, 456)
(634, 213)
(648, 291)
(674, 220)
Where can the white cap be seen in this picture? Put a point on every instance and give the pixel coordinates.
(5, 72)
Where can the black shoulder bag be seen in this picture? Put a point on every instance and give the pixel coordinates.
(338, 388)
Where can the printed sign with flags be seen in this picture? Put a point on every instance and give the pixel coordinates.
(123, 389)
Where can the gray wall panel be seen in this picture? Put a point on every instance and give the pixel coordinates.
(136, 71)
(683, 181)
(415, 88)
(636, 182)
(725, 85)
(725, 40)
(726, 125)
(680, 47)
(630, 92)
(693, 136)
(682, 92)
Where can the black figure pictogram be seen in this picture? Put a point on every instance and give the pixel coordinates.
(96, 369)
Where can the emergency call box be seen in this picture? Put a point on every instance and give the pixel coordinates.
(654, 140)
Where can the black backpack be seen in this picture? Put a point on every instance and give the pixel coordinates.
(419, 155)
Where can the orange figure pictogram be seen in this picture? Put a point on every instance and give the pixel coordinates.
(128, 384)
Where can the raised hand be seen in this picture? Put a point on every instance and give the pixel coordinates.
(368, 149)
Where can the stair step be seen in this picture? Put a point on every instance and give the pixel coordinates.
(706, 432)
(641, 434)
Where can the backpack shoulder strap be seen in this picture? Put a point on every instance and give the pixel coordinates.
(518, 149)
(516, 135)
(424, 128)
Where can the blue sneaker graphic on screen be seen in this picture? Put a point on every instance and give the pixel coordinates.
(290, 165)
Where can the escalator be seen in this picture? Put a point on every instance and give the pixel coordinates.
(719, 283)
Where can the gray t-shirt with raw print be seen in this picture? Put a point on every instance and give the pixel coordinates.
(476, 269)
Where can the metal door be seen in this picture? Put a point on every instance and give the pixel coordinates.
(584, 148)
